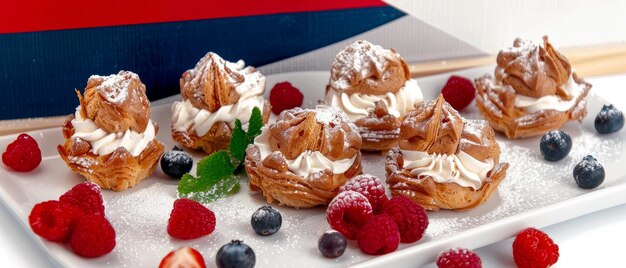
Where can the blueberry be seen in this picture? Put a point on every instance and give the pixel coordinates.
(588, 174)
(609, 120)
(176, 163)
(332, 244)
(266, 221)
(235, 254)
(555, 145)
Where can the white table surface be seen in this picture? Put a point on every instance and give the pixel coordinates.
(593, 240)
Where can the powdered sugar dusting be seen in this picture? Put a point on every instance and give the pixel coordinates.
(473, 126)
(344, 199)
(361, 58)
(528, 56)
(83, 162)
(139, 215)
(114, 88)
(363, 184)
(244, 79)
(332, 115)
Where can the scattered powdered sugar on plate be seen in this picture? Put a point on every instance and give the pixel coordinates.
(140, 214)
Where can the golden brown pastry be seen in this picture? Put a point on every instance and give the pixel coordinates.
(372, 86)
(444, 161)
(534, 90)
(110, 139)
(216, 93)
(302, 159)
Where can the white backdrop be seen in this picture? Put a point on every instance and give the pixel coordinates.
(490, 25)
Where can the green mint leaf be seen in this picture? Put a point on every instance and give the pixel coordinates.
(235, 189)
(210, 170)
(215, 190)
(215, 176)
(255, 124)
(215, 166)
(188, 184)
(238, 143)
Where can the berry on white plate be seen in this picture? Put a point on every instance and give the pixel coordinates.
(185, 257)
(458, 92)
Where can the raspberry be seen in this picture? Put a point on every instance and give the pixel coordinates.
(458, 92)
(379, 235)
(23, 154)
(533, 248)
(410, 217)
(87, 196)
(347, 212)
(54, 221)
(369, 186)
(458, 258)
(190, 219)
(93, 237)
(285, 96)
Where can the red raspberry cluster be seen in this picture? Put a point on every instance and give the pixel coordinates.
(284, 96)
(23, 154)
(76, 218)
(458, 92)
(190, 219)
(459, 258)
(363, 212)
(532, 248)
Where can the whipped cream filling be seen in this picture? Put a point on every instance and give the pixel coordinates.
(460, 168)
(308, 162)
(186, 117)
(358, 105)
(531, 105)
(103, 143)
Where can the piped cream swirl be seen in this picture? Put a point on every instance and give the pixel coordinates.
(103, 143)
(554, 102)
(186, 117)
(359, 105)
(460, 168)
(308, 162)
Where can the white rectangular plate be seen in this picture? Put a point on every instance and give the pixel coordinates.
(534, 193)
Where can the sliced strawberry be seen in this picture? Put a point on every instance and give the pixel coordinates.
(185, 257)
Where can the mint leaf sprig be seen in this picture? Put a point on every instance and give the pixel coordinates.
(240, 139)
(215, 174)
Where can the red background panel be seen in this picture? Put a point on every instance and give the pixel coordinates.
(39, 15)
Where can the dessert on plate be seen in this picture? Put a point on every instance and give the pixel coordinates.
(215, 93)
(304, 157)
(373, 86)
(444, 161)
(110, 139)
(534, 90)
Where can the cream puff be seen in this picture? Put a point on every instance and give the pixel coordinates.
(372, 85)
(444, 161)
(534, 91)
(215, 93)
(110, 139)
(304, 157)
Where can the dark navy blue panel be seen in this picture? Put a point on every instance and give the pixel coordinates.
(39, 71)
